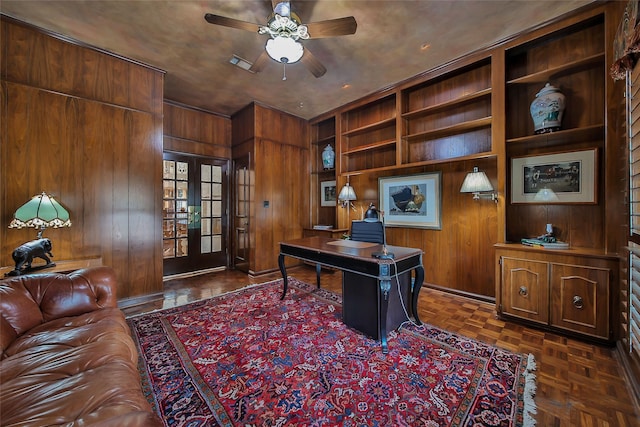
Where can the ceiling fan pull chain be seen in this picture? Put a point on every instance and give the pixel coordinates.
(284, 70)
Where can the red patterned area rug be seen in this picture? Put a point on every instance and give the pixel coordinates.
(247, 358)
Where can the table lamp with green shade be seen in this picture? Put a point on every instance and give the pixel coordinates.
(41, 212)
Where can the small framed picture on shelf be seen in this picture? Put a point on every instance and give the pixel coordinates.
(561, 178)
(328, 196)
(412, 201)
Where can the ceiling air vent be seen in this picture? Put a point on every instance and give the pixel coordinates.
(242, 63)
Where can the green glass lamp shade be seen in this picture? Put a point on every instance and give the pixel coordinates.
(41, 211)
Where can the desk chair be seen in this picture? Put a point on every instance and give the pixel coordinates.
(365, 231)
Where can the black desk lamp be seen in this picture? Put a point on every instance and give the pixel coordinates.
(372, 216)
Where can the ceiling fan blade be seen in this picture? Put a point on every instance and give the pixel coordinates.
(260, 63)
(230, 22)
(312, 64)
(332, 27)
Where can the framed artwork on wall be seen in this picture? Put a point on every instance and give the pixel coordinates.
(412, 201)
(328, 196)
(567, 177)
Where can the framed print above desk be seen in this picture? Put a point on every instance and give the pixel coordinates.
(412, 200)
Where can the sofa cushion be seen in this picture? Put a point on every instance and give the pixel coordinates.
(73, 370)
(72, 331)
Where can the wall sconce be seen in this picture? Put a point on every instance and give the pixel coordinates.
(347, 195)
(476, 182)
(40, 212)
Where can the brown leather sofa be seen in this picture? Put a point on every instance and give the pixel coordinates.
(67, 356)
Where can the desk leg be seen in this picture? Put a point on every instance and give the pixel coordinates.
(318, 270)
(385, 288)
(415, 291)
(283, 270)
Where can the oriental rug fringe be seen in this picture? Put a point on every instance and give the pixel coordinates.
(246, 358)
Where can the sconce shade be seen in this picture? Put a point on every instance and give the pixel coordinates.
(41, 211)
(476, 182)
(347, 193)
(546, 195)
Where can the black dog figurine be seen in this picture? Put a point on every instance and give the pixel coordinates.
(24, 255)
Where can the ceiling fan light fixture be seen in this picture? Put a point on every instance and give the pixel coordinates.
(284, 49)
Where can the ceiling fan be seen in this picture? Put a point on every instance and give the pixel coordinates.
(285, 30)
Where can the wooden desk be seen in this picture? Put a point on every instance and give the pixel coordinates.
(372, 288)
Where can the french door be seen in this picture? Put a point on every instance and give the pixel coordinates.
(195, 213)
(244, 190)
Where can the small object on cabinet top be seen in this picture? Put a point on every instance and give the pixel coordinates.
(537, 242)
(322, 227)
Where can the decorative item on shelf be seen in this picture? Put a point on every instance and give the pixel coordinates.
(547, 240)
(40, 212)
(328, 157)
(328, 193)
(478, 183)
(572, 176)
(547, 109)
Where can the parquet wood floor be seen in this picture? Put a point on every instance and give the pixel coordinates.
(578, 384)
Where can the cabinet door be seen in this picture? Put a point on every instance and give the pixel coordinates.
(525, 289)
(580, 299)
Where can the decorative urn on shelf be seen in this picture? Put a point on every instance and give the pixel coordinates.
(328, 157)
(547, 109)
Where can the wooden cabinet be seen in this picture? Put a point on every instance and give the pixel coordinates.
(525, 288)
(571, 58)
(574, 290)
(569, 291)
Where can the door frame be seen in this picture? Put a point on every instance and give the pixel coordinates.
(196, 160)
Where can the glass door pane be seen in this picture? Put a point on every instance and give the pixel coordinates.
(175, 220)
(211, 208)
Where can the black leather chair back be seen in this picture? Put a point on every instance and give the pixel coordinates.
(363, 231)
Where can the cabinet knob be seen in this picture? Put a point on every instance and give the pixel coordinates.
(523, 291)
(577, 302)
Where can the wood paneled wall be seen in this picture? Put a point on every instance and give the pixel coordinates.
(86, 127)
(460, 256)
(279, 147)
(188, 130)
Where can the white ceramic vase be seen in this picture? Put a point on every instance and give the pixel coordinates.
(547, 109)
(328, 157)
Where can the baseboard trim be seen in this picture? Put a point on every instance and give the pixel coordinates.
(144, 299)
(193, 273)
(477, 297)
